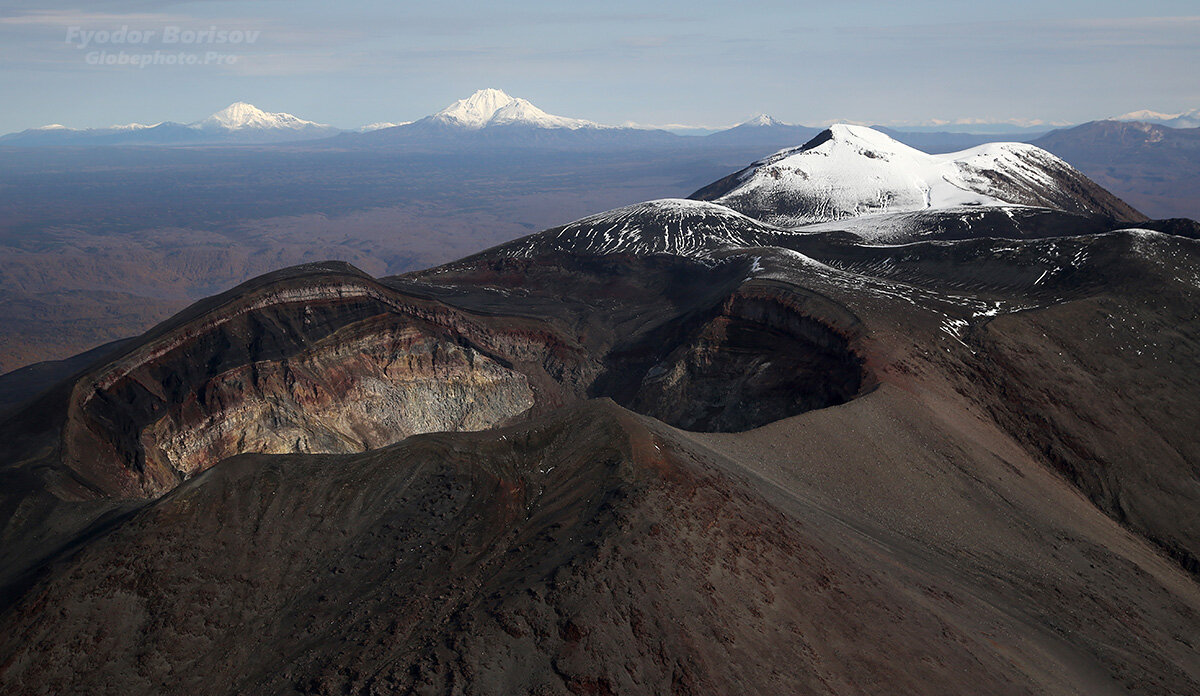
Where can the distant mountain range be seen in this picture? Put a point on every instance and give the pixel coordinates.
(1184, 119)
(1154, 167)
(766, 130)
(1147, 157)
(492, 117)
(237, 123)
(740, 445)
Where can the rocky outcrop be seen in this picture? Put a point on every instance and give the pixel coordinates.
(986, 434)
(310, 363)
(339, 397)
(326, 360)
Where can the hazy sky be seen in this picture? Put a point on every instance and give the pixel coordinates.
(698, 62)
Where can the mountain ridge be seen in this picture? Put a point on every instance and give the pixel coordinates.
(238, 122)
(1183, 119)
(1155, 167)
(667, 448)
(242, 115)
(493, 107)
(847, 171)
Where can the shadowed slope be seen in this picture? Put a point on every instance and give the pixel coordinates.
(591, 553)
(945, 462)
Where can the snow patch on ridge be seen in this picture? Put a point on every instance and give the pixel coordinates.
(675, 226)
(380, 125)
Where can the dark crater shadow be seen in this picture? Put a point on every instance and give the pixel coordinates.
(750, 361)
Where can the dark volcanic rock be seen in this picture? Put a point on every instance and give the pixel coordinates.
(761, 358)
(326, 360)
(613, 458)
(593, 553)
(315, 360)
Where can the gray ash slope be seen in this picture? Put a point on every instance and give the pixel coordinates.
(665, 449)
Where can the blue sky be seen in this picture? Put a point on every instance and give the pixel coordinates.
(697, 62)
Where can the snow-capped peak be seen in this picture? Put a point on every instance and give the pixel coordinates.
(241, 115)
(1146, 115)
(476, 110)
(521, 111)
(848, 171)
(862, 137)
(493, 107)
(1183, 119)
(762, 120)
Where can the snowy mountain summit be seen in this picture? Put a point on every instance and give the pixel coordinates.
(243, 116)
(762, 121)
(1183, 119)
(492, 107)
(847, 171)
(239, 122)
